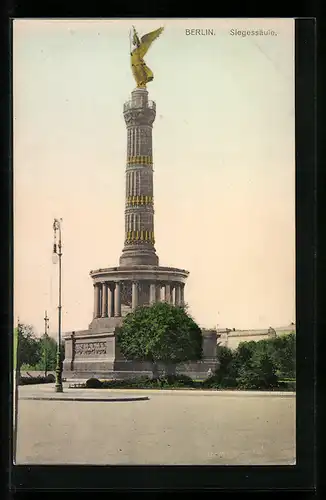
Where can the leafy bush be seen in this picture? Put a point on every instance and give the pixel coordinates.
(136, 382)
(211, 382)
(93, 383)
(176, 381)
(28, 346)
(287, 385)
(36, 354)
(283, 352)
(36, 380)
(226, 376)
(143, 382)
(160, 333)
(228, 363)
(259, 372)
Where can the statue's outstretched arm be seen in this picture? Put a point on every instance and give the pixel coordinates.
(147, 40)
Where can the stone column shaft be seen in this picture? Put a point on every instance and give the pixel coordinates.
(117, 300)
(182, 295)
(178, 295)
(104, 300)
(134, 295)
(152, 293)
(97, 305)
(139, 204)
(111, 300)
(173, 295)
(167, 293)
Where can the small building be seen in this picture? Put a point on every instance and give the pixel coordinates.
(231, 338)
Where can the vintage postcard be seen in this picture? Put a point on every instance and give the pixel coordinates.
(154, 230)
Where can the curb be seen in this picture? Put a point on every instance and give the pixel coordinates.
(206, 392)
(197, 392)
(81, 399)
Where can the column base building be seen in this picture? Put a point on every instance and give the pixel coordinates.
(139, 280)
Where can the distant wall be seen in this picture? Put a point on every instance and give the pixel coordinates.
(232, 338)
(234, 341)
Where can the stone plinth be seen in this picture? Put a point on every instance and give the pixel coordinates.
(96, 354)
(209, 343)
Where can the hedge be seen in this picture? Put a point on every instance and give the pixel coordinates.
(49, 379)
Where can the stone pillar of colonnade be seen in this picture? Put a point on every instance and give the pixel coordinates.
(117, 300)
(97, 298)
(174, 294)
(104, 300)
(158, 292)
(178, 294)
(182, 294)
(167, 294)
(111, 300)
(134, 295)
(152, 293)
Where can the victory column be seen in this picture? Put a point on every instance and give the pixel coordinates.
(139, 279)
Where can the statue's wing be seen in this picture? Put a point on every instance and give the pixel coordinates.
(147, 40)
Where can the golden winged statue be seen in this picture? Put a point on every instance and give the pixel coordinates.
(141, 72)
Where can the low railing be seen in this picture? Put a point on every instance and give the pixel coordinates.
(139, 103)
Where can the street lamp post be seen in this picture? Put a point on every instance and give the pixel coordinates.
(46, 330)
(57, 251)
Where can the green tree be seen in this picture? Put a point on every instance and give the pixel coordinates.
(48, 350)
(63, 351)
(259, 371)
(227, 373)
(283, 353)
(29, 352)
(243, 354)
(160, 333)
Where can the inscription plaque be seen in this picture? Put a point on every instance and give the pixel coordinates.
(90, 348)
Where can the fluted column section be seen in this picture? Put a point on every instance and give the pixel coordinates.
(139, 114)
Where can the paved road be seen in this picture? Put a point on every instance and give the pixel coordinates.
(186, 427)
